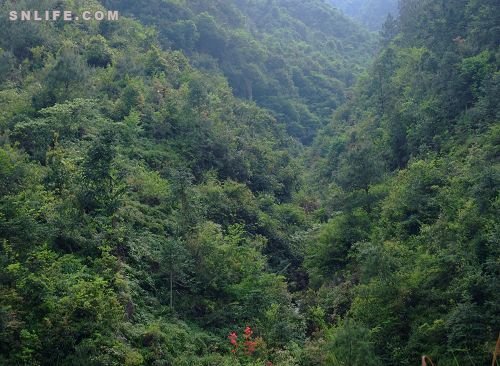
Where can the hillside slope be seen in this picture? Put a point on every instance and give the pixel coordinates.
(296, 58)
(152, 214)
(138, 196)
(408, 176)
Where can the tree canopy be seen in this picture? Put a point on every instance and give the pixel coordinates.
(249, 182)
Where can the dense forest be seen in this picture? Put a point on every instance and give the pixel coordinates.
(250, 182)
(294, 58)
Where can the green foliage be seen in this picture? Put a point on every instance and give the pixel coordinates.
(327, 256)
(413, 150)
(270, 52)
(155, 197)
(130, 221)
(98, 52)
(348, 344)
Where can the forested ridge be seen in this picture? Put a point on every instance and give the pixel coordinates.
(249, 182)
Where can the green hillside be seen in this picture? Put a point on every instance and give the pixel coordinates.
(248, 182)
(295, 58)
(408, 176)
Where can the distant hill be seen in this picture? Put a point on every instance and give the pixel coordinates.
(370, 13)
